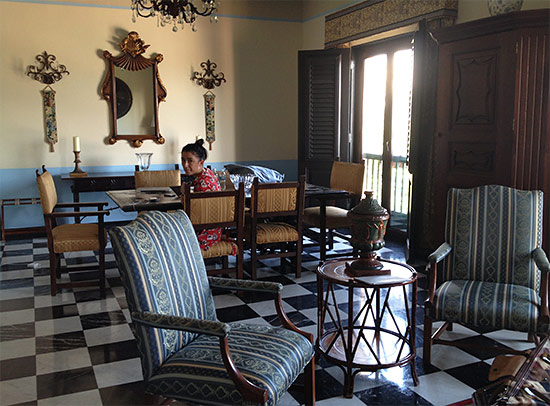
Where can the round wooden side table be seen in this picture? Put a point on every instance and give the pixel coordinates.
(378, 338)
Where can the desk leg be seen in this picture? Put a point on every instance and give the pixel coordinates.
(76, 199)
(323, 229)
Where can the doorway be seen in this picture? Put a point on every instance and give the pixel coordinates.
(384, 78)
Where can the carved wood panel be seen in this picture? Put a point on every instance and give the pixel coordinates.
(474, 88)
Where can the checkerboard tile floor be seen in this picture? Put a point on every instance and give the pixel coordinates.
(77, 348)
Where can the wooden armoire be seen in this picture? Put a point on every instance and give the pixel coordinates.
(492, 120)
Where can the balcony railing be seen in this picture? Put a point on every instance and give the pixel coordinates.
(400, 181)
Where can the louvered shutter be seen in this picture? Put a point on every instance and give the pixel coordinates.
(323, 131)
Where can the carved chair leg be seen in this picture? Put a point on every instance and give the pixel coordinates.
(427, 352)
(299, 257)
(102, 272)
(450, 326)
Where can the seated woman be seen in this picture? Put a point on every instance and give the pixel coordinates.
(202, 180)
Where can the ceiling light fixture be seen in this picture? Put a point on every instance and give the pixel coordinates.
(174, 11)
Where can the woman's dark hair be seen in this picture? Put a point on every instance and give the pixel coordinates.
(196, 148)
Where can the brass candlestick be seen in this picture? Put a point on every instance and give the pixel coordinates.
(77, 172)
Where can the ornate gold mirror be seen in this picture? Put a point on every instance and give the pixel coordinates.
(133, 89)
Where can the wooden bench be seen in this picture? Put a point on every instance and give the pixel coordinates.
(17, 202)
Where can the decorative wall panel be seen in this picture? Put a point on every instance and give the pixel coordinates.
(374, 16)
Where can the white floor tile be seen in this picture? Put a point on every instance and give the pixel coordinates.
(17, 293)
(513, 339)
(441, 388)
(227, 300)
(17, 348)
(98, 306)
(62, 360)
(446, 357)
(57, 300)
(294, 290)
(267, 308)
(19, 274)
(118, 373)
(16, 317)
(109, 334)
(18, 390)
(19, 259)
(18, 247)
(362, 381)
(341, 401)
(57, 326)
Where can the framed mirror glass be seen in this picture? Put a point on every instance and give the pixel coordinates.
(133, 89)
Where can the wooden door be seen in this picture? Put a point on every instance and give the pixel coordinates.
(323, 112)
(474, 137)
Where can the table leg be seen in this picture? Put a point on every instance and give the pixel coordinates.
(323, 229)
(413, 332)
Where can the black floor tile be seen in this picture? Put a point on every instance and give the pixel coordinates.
(65, 382)
(123, 350)
(60, 342)
(390, 394)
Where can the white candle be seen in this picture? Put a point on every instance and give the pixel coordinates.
(76, 144)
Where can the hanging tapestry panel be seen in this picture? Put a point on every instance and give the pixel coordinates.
(48, 96)
(209, 98)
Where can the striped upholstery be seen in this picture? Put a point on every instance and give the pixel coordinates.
(162, 269)
(160, 261)
(487, 304)
(493, 231)
(270, 357)
(491, 278)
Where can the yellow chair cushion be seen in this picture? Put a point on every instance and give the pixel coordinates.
(76, 237)
(336, 217)
(267, 233)
(220, 249)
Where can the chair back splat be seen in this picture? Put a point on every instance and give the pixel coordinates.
(187, 354)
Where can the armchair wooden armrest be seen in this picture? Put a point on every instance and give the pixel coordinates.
(99, 213)
(99, 205)
(541, 260)
(210, 327)
(433, 259)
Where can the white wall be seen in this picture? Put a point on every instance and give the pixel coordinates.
(256, 110)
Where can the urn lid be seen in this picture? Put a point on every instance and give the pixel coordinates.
(368, 206)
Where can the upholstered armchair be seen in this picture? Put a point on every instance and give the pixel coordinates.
(491, 272)
(64, 238)
(273, 227)
(187, 354)
(223, 209)
(346, 176)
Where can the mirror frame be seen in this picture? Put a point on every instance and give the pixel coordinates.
(132, 59)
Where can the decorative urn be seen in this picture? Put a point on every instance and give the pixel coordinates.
(368, 227)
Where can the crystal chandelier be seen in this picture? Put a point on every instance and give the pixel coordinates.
(174, 11)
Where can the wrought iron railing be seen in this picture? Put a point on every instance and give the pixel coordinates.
(400, 181)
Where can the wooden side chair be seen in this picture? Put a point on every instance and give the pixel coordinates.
(71, 237)
(269, 203)
(491, 273)
(187, 354)
(164, 178)
(225, 209)
(346, 176)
